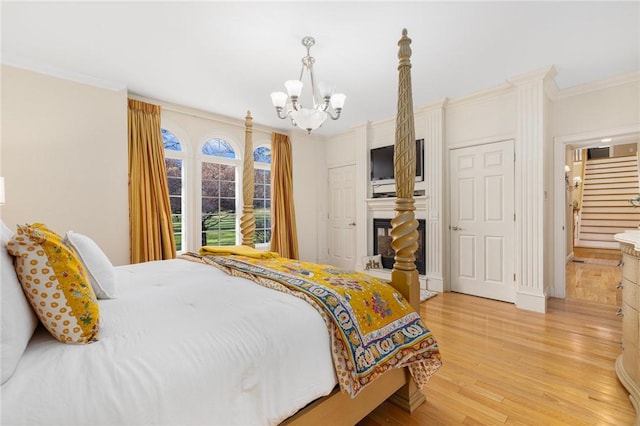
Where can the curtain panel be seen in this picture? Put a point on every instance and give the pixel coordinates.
(284, 236)
(151, 230)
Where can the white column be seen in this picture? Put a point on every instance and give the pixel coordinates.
(530, 190)
(434, 115)
(363, 224)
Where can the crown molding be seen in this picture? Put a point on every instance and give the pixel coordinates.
(194, 112)
(593, 86)
(437, 104)
(41, 68)
(544, 73)
(479, 97)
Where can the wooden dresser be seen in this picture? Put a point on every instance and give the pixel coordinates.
(628, 364)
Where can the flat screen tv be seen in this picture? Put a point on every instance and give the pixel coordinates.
(382, 163)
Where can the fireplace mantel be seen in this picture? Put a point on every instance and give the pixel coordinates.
(378, 204)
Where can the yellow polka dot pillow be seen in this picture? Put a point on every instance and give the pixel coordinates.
(56, 284)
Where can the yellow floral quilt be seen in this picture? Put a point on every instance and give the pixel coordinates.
(372, 327)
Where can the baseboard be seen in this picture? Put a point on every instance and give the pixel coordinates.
(435, 283)
(531, 302)
(569, 258)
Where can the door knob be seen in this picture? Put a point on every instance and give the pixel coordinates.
(455, 228)
(352, 224)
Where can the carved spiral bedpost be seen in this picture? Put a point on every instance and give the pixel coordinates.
(404, 226)
(248, 220)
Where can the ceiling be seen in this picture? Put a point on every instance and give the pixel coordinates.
(227, 57)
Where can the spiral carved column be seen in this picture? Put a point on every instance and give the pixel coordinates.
(404, 226)
(248, 220)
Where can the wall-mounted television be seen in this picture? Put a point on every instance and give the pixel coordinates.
(382, 163)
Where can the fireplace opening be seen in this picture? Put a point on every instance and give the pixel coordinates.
(382, 244)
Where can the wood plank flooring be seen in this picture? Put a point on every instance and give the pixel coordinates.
(502, 365)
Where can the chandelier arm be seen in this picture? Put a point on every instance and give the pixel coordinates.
(336, 116)
(314, 88)
(279, 112)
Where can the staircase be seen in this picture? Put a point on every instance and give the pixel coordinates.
(609, 183)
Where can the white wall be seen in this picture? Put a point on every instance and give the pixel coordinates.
(64, 157)
(608, 104)
(310, 194)
(481, 118)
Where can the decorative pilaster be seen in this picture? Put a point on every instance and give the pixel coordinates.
(434, 179)
(530, 189)
(248, 220)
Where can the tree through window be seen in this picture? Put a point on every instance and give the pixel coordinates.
(262, 194)
(218, 213)
(173, 164)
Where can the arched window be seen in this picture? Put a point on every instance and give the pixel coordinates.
(218, 212)
(173, 160)
(262, 194)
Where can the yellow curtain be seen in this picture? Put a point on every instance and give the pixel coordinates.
(284, 237)
(150, 227)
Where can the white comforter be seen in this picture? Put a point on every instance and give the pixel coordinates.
(182, 344)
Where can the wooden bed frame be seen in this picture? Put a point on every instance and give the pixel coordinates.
(396, 385)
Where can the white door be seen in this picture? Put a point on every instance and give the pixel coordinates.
(342, 217)
(482, 222)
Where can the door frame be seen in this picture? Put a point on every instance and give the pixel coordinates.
(447, 203)
(577, 141)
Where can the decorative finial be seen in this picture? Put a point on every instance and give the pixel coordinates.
(404, 51)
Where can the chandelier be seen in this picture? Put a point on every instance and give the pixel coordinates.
(325, 102)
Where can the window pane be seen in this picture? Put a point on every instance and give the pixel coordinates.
(227, 173)
(261, 206)
(262, 155)
(227, 189)
(175, 186)
(176, 204)
(218, 204)
(211, 188)
(174, 167)
(227, 205)
(170, 140)
(176, 219)
(210, 171)
(218, 148)
(210, 204)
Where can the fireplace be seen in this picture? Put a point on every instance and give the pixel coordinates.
(382, 244)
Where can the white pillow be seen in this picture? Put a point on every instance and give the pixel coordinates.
(100, 269)
(18, 319)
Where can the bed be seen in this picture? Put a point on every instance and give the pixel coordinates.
(185, 342)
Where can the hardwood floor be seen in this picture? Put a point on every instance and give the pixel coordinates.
(502, 365)
(593, 275)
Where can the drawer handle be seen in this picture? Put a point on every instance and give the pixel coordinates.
(621, 262)
(622, 345)
(620, 313)
(620, 285)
